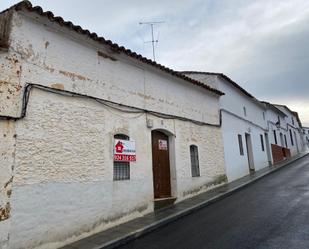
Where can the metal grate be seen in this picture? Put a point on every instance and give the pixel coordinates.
(121, 169)
(241, 147)
(195, 168)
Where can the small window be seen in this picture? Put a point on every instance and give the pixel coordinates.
(195, 168)
(245, 111)
(278, 120)
(291, 137)
(241, 148)
(262, 142)
(121, 169)
(275, 137)
(286, 143)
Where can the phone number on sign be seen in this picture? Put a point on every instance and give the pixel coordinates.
(124, 158)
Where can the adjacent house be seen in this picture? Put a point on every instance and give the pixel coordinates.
(293, 128)
(244, 126)
(277, 136)
(93, 134)
(255, 134)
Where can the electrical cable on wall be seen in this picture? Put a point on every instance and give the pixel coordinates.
(107, 103)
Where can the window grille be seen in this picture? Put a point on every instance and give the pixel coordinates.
(262, 142)
(241, 148)
(195, 168)
(291, 137)
(121, 169)
(275, 137)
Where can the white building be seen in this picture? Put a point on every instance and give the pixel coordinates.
(244, 126)
(277, 135)
(67, 97)
(255, 134)
(293, 128)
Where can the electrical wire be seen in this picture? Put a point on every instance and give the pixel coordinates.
(107, 103)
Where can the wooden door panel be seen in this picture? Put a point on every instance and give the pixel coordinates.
(161, 165)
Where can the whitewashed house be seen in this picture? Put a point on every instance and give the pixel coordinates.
(93, 134)
(277, 134)
(244, 126)
(255, 134)
(293, 128)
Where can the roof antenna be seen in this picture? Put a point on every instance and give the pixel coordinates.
(153, 41)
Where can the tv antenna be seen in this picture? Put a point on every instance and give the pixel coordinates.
(153, 41)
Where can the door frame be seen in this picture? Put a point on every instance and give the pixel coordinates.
(249, 152)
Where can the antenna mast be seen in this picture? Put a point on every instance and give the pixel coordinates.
(153, 41)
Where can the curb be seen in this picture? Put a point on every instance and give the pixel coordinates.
(143, 231)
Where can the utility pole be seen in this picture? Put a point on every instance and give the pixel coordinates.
(153, 41)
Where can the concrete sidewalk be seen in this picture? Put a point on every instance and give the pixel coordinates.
(125, 232)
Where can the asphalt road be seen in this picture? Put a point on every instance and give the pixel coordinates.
(271, 213)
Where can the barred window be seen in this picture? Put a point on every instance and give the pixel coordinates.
(291, 137)
(275, 136)
(195, 168)
(121, 169)
(262, 142)
(241, 147)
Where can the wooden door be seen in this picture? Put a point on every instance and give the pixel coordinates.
(161, 165)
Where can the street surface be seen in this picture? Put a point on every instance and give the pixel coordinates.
(271, 213)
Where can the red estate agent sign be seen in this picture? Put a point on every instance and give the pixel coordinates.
(124, 151)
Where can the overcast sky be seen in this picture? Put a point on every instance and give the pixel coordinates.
(262, 45)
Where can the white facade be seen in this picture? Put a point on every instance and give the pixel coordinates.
(293, 130)
(255, 134)
(57, 160)
(241, 115)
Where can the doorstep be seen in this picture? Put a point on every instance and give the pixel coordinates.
(121, 234)
(163, 202)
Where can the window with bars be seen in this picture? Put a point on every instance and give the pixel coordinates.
(195, 168)
(275, 137)
(241, 147)
(121, 169)
(262, 142)
(291, 137)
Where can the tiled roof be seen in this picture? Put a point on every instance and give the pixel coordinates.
(224, 77)
(274, 108)
(27, 6)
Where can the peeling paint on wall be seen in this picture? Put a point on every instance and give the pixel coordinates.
(5, 212)
(74, 76)
(58, 86)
